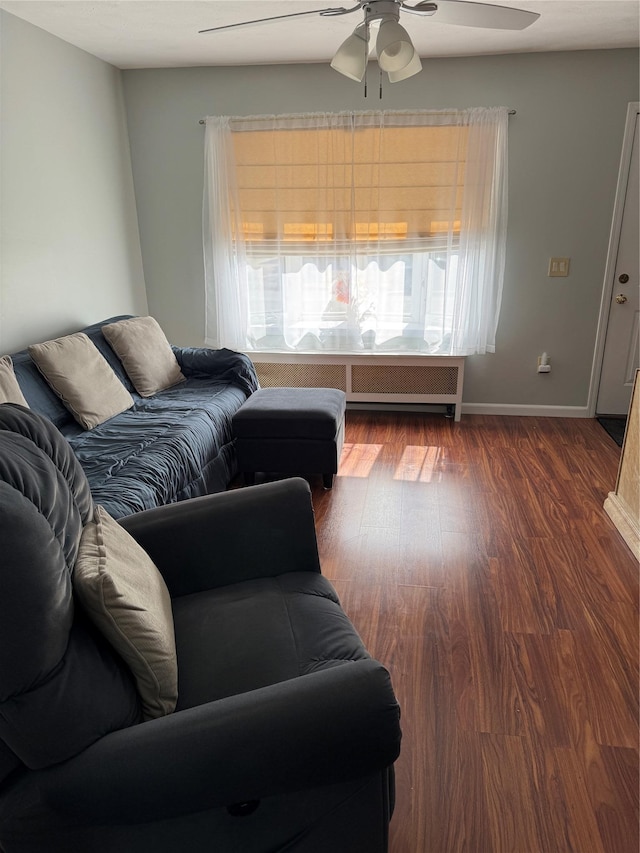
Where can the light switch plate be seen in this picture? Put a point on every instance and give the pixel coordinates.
(558, 267)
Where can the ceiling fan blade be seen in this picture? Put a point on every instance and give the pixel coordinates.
(425, 8)
(334, 11)
(469, 14)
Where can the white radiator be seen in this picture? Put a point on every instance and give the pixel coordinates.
(368, 378)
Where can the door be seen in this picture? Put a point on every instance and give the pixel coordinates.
(622, 342)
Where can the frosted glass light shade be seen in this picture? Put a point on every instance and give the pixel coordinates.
(393, 47)
(414, 67)
(352, 55)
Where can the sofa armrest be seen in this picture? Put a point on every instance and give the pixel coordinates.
(213, 541)
(222, 364)
(319, 729)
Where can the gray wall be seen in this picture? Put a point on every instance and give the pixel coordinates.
(565, 144)
(68, 226)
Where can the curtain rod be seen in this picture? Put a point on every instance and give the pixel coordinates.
(270, 118)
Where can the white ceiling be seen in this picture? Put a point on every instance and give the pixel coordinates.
(164, 33)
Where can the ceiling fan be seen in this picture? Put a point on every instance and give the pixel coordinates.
(382, 30)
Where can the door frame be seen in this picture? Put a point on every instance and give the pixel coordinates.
(633, 109)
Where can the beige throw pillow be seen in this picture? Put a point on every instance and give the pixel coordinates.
(146, 354)
(126, 597)
(83, 379)
(9, 389)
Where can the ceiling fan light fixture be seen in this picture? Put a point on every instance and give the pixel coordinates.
(414, 67)
(393, 46)
(352, 55)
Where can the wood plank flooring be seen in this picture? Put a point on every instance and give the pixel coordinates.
(478, 565)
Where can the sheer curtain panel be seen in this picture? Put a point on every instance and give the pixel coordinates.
(356, 232)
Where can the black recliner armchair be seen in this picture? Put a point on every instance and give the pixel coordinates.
(285, 730)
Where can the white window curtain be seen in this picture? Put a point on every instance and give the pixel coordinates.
(356, 232)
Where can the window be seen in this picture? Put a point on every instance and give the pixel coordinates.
(383, 302)
(356, 232)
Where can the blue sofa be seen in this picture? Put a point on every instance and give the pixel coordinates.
(175, 445)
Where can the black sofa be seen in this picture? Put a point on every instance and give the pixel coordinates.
(285, 730)
(169, 447)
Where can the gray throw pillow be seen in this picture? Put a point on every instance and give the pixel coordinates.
(83, 379)
(146, 354)
(126, 597)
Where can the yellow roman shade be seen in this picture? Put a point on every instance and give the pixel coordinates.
(343, 184)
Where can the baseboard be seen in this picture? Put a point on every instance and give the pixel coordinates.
(627, 525)
(481, 409)
(525, 410)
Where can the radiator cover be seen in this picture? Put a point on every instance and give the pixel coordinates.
(368, 378)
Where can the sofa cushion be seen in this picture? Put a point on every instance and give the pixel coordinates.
(248, 635)
(126, 597)
(145, 353)
(9, 389)
(169, 447)
(81, 377)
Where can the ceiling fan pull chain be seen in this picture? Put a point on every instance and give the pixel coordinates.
(367, 35)
(380, 91)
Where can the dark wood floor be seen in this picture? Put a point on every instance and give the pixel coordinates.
(478, 564)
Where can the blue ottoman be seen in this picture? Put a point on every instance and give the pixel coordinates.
(290, 431)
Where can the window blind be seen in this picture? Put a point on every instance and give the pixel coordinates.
(363, 184)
